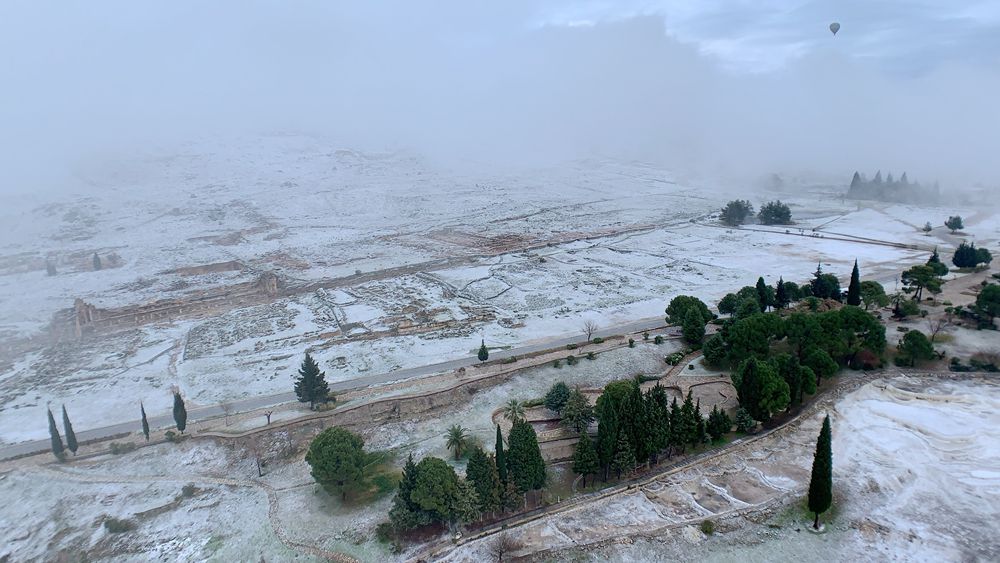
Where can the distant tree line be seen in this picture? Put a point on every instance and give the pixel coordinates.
(890, 189)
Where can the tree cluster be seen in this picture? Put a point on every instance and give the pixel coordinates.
(736, 212)
(968, 256)
(775, 213)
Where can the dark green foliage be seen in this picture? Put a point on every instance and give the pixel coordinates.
(456, 439)
(585, 461)
(918, 278)
(707, 527)
(557, 397)
(873, 294)
(752, 336)
(571, 360)
(436, 489)
(820, 362)
(715, 350)
(913, 348)
(525, 466)
(591, 356)
(571, 346)
(145, 423)
(936, 264)
(988, 301)
(904, 307)
(483, 354)
(657, 339)
(687, 429)
(825, 286)
(762, 392)
(781, 299)
(854, 289)
(719, 423)
(790, 371)
(736, 212)
(700, 435)
(311, 386)
(968, 256)
(792, 291)
(744, 422)
(657, 419)
(57, 444)
(70, 435)
(597, 340)
(631, 343)
(762, 294)
(775, 213)
(728, 304)
(116, 525)
(511, 498)
(694, 327)
(612, 418)
(954, 223)
(577, 413)
(180, 413)
(983, 256)
(821, 482)
(623, 460)
(501, 457)
(337, 459)
(482, 473)
(748, 307)
(121, 448)
(679, 306)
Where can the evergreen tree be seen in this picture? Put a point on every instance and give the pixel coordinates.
(311, 386)
(699, 429)
(180, 412)
(557, 396)
(954, 223)
(855, 182)
(689, 422)
(465, 506)
(936, 264)
(481, 471)
(821, 482)
(657, 419)
(610, 421)
(715, 350)
(337, 460)
(484, 354)
(70, 435)
(437, 490)
(781, 299)
(145, 423)
(585, 461)
(525, 465)
(676, 441)
(694, 327)
(775, 213)
(762, 294)
(577, 413)
(744, 422)
(57, 444)
(511, 498)
(854, 289)
(405, 514)
(501, 457)
(623, 460)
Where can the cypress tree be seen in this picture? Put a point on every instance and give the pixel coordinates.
(501, 457)
(854, 289)
(180, 413)
(525, 466)
(70, 435)
(699, 432)
(762, 294)
(57, 444)
(311, 386)
(585, 460)
(821, 483)
(145, 423)
(689, 425)
(781, 299)
(676, 437)
(481, 471)
(484, 354)
(624, 459)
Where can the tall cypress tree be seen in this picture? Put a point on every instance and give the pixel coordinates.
(854, 290)
(585, 461)
(821, 483)
(311, 386)
(676, 438)
(762, 294)
(624, 459)
(481, 471)
(145, 423)
(525, 465)
(781, 299)
(501, 457)
(57, 444)
(180, 412)
(484, 353)
(70, 435)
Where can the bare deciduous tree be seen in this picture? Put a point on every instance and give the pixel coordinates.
(227, 409)
(268, 415)
(937, 324)
(589, 328)
(503, 544)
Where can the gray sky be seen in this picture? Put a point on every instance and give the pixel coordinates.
(736, 87)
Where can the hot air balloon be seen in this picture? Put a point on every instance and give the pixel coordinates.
(834, 28)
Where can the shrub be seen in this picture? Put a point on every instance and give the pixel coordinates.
(744, 422)
(571, 346)
(591, 356)
(189, 490)
(707, 527)
(674, 359)
(118, 526)
(658, 339)
(509, 360)
(631, 343)
(597, 340)
(645, 335)
(557, 364)
(174, 437)
(121, 448)
(691, 366)
(571, 360)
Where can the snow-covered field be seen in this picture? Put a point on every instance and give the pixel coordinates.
(309, 211)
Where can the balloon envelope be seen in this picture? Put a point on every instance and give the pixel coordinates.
(835, 27)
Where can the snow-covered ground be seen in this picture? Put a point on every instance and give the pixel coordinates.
(309, 211)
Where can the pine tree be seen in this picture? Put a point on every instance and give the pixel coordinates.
(484, 354)
(180, 412)
(693, 328)
(821, 482)
(854, 289)
(699, 428)
(70, 435)
(624, 459)
(145, 423)
(525, 466)
(501, 457)
(689, 425)
(676, 428)
(762, 294)
(585, 461)
(481, 471)
(57, 444)
(855, 182)
(311, 386)
(781, 299)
